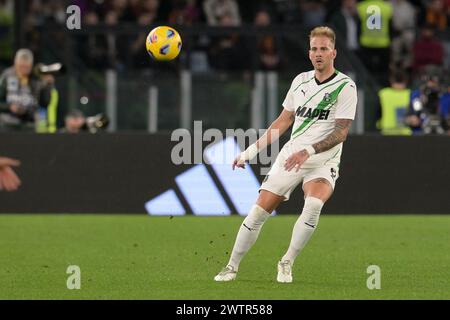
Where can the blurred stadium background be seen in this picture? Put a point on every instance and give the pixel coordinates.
(236, 65)
(230, 49)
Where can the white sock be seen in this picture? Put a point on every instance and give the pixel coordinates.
(247, 235)
(304, 227)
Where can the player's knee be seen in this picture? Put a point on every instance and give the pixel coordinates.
(311, 211)
(256, 217)
(319, 188)
(269, 201)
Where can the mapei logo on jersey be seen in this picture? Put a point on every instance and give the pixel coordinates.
(312, 113)
(318, 112)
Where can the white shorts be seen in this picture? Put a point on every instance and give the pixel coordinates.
(282, 182)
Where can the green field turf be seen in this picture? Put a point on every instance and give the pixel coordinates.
(142, 257)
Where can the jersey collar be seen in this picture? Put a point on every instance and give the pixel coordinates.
(328, 79)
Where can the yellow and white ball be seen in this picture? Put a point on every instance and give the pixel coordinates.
(163, 43)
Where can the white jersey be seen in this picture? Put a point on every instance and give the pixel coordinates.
(316, 106)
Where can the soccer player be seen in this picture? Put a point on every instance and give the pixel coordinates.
(321, 104)
(9, 181)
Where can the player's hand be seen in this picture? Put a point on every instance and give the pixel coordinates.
(296, 160)
(238, 163)
(9, 181)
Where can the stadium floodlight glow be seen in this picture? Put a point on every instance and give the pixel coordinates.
(201, 192)
(240, 185)
(166, 203)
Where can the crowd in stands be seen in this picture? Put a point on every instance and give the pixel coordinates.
(411, 43)
(417, 31)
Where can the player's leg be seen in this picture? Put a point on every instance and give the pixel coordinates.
(249, 231)
(276, 187)
(252, 224)
(317, 191)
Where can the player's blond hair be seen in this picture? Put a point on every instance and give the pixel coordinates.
(323, 32)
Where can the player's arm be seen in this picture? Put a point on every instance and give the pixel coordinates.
(345, 113)
(339, 134)
(276, 129)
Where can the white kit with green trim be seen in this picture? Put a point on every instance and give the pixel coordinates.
(316, 106)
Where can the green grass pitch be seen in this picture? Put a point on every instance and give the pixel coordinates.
(143, 257)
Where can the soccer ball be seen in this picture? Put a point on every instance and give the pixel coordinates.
(163, 43)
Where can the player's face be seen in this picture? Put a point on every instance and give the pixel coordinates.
(321, 53)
